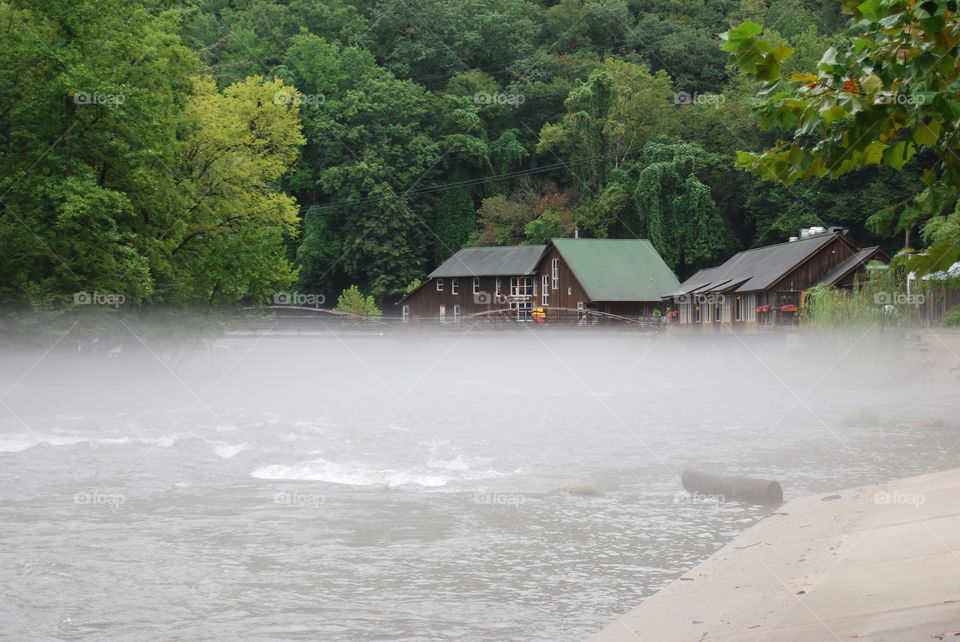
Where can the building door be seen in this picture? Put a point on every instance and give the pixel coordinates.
(443, 312)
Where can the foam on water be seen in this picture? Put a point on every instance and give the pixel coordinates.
(323, 470)
(18, 443)
(228, 451)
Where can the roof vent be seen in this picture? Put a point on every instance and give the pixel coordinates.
(809, 232)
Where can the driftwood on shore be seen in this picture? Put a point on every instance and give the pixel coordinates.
(748, 489)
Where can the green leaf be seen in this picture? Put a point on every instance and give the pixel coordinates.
(870, 9)
(897, 155)
(927, 133)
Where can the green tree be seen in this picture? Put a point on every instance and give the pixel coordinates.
(609, 119)
(430, 40)
(883, 96)
(676, 211)
(352, 301)
(369, 140)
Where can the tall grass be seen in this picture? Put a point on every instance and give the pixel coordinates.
(880, 300)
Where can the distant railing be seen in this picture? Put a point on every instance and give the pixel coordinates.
(298, 320)
(556, 315)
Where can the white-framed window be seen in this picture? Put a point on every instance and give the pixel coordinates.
(545, 290)
(456, 313)
(522, 309)
(439, 285)
(476, 285)
(454, 286)
(696, 313)
(443, 312)
(406, 313)
(521, 286)
(499, 287)
(751, 306)
(718, 311)
(738, 308)
(555, 273)
(569, 291)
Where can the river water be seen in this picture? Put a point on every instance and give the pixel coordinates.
(483, 486)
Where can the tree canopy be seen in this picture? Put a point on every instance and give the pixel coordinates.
(213, 153)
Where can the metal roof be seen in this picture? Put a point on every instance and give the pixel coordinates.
(617, 269)
(756, 269)
(491, 261)
(852, 263)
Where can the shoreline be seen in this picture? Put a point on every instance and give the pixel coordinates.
(874, 562)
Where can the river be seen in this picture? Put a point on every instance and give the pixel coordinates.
(468, 486)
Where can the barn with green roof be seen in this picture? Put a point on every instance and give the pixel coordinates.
(621, 277)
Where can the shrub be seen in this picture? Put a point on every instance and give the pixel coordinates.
(352, 301)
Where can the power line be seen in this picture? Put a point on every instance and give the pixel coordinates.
(481, 180)
(473, 181)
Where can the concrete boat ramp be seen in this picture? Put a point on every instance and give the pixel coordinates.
(878, 562)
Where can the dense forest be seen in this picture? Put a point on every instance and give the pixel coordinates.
(219, 151)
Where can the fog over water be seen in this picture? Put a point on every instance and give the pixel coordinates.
(469, 485)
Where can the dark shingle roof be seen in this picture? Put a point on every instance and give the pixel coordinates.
(617, 269)
(852, 263)
(755, 269)
(491, 261)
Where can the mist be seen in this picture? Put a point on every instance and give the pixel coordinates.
(410, 485)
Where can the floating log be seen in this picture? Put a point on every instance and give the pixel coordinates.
(748, 489)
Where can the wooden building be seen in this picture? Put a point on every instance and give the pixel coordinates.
(762, 286)
(477, 279)
(625, 277)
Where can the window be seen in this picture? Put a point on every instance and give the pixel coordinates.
(545, 290)
(476, 285)
(738, 309)
(717, 310)
(522, 309)
(443, 312)
(456, 313)
(439, 285)
(521, 286)
(569, 291)
(696, 313)
(454, 286)
(406, 313)
(555, 272)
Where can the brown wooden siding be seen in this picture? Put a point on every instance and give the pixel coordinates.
(569, 292)
(426, 301)
(786, 290)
